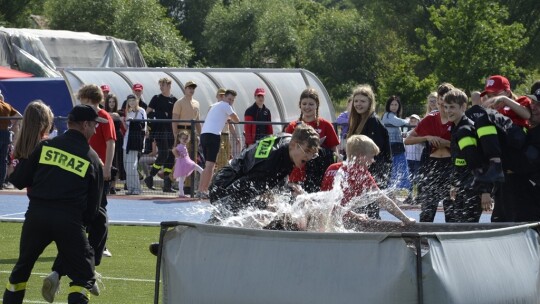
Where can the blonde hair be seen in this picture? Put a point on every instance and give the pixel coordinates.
(90, 92)
(179, 135)
(361, 145)
(37, 121)
(431, 95)
(357, 120)
(166, 80)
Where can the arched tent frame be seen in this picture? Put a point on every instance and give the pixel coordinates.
(283, 86)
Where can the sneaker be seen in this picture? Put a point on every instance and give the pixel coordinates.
(51, 286)
(149, 181)
(107, 253)
(8, 185)
(95, 290)
(154, 248)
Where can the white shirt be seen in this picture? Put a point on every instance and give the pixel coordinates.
(141, 114)
(217, 117)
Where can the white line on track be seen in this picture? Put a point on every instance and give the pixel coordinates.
(103, 277)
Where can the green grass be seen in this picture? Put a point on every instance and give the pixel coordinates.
(128, 275)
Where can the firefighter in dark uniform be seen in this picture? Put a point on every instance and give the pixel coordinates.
(64, 178)
(261, 167)
(469, 196)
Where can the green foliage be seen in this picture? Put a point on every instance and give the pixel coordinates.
(473, 40)
(340, 51)
(143, 21)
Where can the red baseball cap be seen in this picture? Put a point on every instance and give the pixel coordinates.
(496, 84)
(105, 88)
(137, 87)
(260, 91)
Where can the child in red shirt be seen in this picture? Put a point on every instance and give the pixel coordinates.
(357, 181)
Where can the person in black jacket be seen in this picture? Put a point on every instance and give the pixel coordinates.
(262, 167)
(64, 177)
(363, 120)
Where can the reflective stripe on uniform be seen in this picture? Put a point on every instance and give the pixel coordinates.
(487, 130)
(466, 142)
(265, 147)
(16, 287)
(156, 166)
(460, 162)
(167, 170)
(64, 160)
(79, 289)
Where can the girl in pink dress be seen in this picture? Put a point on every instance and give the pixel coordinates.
(183, 166)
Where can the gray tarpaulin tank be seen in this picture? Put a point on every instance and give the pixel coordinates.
(480, 263)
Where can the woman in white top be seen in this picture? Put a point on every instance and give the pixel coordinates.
(133, 143)
(393, 123)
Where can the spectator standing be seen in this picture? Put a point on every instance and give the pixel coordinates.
(104, 143)
(137, 90)
(363, 120)
(188, 108)
(225, 153)
(161, 107)
(62, 198)
(211, 137)
(393, 122)
(6, 110)
(111, 106)
(434, 179)
(310, 176)
(133, 143)
(431, 104)
(343, 122)
(149, 153)
(413, 154)
(257, 112)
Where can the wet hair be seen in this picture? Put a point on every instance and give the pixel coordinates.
(313, 94)
(304, 133)
(357, 120)
(389, 102)
(361, 145)
(166, 80)
(179, 136)
(431, 95)
(37, 121)
(444, 88)
(90, 92)
(107, 107)
(456, 96)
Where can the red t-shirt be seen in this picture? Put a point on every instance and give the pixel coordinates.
(516, 119)
(431, 125)
(104, 133)
(357, 180)
(325, 130)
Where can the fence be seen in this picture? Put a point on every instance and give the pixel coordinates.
(231, 145)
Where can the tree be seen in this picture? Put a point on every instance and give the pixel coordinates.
(143, 21)
(251, 34)
(472, 41)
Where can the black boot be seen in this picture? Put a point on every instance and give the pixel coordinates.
(167, 184)
(494, 174)
(149, 181)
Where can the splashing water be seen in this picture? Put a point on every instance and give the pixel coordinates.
(320, 211)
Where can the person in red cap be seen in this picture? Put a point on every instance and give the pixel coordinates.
(105, 89)
(137, 91)
(500, 96)
(257, 112)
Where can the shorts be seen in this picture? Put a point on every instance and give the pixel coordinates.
(210, 146)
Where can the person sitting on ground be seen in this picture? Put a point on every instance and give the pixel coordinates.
(361, 151)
